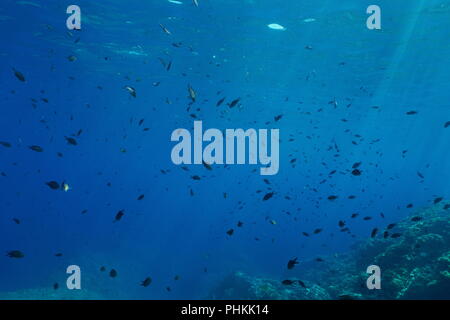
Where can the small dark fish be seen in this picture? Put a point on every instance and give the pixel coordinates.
(220, 102)
(410, 113)
(15, 254)
(420, 175)
(230, 232)
(332, 197)
(19, 75)
(102, 269)
(119, 215)
(195, 177)
(409, 206)
(268, 196)
(36, 148)
(146, 282)
(395, 235)
(416, 219)
(356, 165)
(367, 218)
(354, 215)
(437, 200)
(53, 185)
(356, 172)
(341, 224)
(240, 224)
(391, 226)
(374, 233)
(5, 144)
(447, 206)
(141, 197)
(317, 231)
(447, 124)
(385, 234)
(292, 263)
(71, 141)
(301, 283)
(207, 165)
(277, 118)
(234, 102)
(288, 282)
(55, 286)
(113, 273)
(306, 234)
(17, 221)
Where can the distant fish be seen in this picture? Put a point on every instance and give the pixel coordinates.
(71, 141)
(131, 91)
(447, 124)
(195, 2)
(175, 2)
(276, 26)
(165, 29)
(113, 273)
(19, 75)
(5, 144)
(119, 215)
(53, 185)
(36, 148)
(192, 93)
(309, 20)
(146, 282)
(15, 254)
(292, 263)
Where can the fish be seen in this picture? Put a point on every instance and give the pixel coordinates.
(141, 197)
(276, 26)
(220, 102)
(416, 219)
(119, 215)
(131, 91)
(230, 232)
(412, 112)
(17, 254)
(332, 197)
(36, 148)
(374, 233)
(447, 124)
(5, 144)
(317, 231)
(233, 103)
(195, 2)
(288, 282)
(395, 235)
(292, 263)
(147, 281)
(53, 185)
(19, 75)
(192, 93)
(437, 200)
(206, 165)
(113, 273)
(71, 141)
(165, 29)
(268, 196)
(391, 226)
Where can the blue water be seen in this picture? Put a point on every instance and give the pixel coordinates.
(225, 47)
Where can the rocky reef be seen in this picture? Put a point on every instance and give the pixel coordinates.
(415, 264)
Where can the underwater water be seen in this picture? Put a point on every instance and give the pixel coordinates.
(87, 177)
